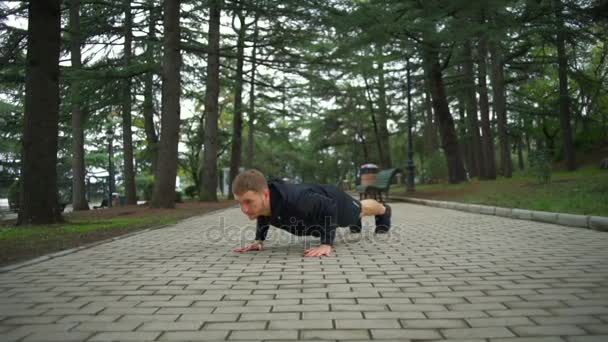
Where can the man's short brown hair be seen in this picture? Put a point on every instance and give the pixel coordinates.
(249, 180)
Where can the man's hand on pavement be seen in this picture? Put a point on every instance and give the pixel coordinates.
(318, 251)
(256, 246)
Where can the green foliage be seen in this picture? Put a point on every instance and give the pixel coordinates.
(13, 195)
(540, 165)
(191, 191)
(434, 169)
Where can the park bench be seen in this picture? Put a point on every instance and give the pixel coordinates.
(382, 184)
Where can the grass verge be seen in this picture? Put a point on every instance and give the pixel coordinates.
(583, 192)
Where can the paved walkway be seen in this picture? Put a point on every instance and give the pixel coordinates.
(440, 275)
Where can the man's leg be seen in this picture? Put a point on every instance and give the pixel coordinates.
(382, 213)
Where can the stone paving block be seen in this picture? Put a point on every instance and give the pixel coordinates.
(124, 336)
(367, 323)
(432, 323)
(529, 339)
(499, 322)
(107, 326)
(212, 335)
(269, 316)
(407, 334)
(596, 329)
(329, 315)
(264, 335)
(519, 312)
(170, 326)
(489, 332)
(359, 334)
(455, 314)
(550, 330)
(146, 318)
(31, 320)
(596, 338)
(300, 308)
(253, 325)
(57, 337)
(297, 324)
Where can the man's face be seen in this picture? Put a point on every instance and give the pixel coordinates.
(253, 204)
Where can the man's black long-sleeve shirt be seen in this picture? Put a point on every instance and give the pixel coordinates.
(297, 208)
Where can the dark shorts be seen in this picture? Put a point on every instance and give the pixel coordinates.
(354, 215)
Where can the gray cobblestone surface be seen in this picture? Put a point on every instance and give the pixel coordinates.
(440, 275)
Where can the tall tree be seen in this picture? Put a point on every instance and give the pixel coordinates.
(449, 141)
(79, 201)
(38, 195)
(164, 186)
(430, 125)
(383, 110)
(487, 139)
(237, 121)
(476, 164)
(500, 106)
(208, 176)
(564, 96)
(148, 104)
(251, 111)
(127, 135)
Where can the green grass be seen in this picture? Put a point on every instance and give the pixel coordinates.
(81, 226)
(582, 192)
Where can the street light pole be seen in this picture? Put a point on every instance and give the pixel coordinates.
(410, 150)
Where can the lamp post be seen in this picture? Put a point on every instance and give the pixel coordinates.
(410, 150)
(110, 135)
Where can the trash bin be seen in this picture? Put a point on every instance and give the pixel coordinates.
(368, 173)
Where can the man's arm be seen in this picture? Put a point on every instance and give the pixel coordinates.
(262, 225)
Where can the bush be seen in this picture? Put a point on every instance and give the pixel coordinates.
(435, 169)
(178, 197)
(191, 191)
(13, 195)
(540, 165)
(148, 190)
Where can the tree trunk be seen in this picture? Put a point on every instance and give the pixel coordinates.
(449, 142)
(500, 105)
(79, 200)
(38, 194)
(487, 141)
(237, 122)
(465, 145)
(520, 153)
(385, 162)
(432, 140)
(148, 105)
(564, 97)
(164, 186)
(372, 112)
(209, 170)
(471, 106)
(127, 138)
(252, 116)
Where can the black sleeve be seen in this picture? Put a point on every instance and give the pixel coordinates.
(321, 210)
(263, 223)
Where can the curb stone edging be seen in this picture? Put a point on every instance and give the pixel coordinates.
(43, 258)
(599, 223)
